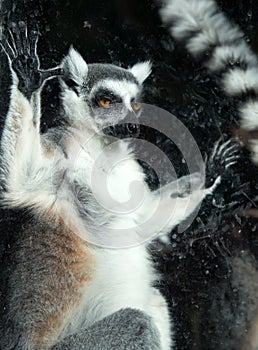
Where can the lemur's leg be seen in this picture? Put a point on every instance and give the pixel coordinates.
(22, 154)
(126, 329)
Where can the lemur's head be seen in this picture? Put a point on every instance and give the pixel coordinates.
(104, 92)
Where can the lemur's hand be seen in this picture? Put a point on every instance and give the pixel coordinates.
(223, 157)
(21, 49)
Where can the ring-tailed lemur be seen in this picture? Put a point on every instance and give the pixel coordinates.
(208, 35)
(61, 283)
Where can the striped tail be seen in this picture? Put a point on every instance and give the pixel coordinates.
(208, 35)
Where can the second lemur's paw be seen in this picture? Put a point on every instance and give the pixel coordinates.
(21, 48)
(223, 157)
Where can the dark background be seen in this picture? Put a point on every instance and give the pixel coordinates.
(209, 272)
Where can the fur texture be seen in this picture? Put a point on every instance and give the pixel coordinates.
(125, 329)
(208, 35)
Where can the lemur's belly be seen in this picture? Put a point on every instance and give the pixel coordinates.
(120, 279)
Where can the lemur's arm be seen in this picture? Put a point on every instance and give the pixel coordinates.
(179, 200)
(22, 155)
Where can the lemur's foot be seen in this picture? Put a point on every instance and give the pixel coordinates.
(223, 157)
(21, 49)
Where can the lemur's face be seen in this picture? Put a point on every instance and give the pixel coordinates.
(114, 99)
(111, 93)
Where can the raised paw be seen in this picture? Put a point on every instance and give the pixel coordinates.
(224, 156)
(21, 48)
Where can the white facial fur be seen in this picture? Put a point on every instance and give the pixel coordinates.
(75, 66)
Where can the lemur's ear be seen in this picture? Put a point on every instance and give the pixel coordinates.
(75, 68)
(141, 71)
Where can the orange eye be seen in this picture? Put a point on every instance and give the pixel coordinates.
(104, 102)
(137, 106)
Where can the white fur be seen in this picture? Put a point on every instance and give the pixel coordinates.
(102, 299)
(249, 114)
(202, 25)
(229, 54)
(76, 66)
(76, 109)
(254, 147)
(23, 155)
(200, 16)
(237, 81)
(141, 71)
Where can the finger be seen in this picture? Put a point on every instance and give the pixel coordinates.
(15, 35)
(223, 147)
(33, 39)
(234, 149)
(230, 164)
(24, 38)
(51, 73)
(233, 157)
(215, 148)
(7, 48)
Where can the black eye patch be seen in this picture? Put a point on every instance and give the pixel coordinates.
(104, 94)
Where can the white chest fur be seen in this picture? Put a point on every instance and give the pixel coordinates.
(122, 278)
